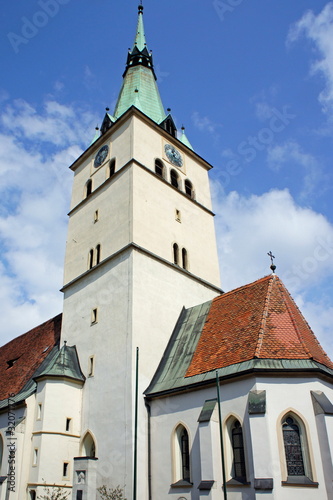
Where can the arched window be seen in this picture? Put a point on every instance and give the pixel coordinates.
(112, 167)
(295, 447)
(159, 168)
(189, 188)
(184, 258)
(91, 259)
(239, 469)
(175, 254)
(182, 455)
(98, 254)
(235, 451)
(88, 188)
(88, 446)
(174, 179)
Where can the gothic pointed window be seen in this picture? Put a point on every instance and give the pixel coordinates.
(189, 188)
(174, 179)
(182, 455)
(175, 254)
(294, 447)
(159, 168)
(239, 470)
(88, 446)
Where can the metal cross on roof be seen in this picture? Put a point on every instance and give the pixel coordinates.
(273, 266)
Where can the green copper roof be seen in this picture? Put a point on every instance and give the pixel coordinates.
(183, 138)
(140, 39)
(65, 364)
(96, 136)
(139, 87)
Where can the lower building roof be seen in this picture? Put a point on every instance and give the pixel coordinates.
(257, 327)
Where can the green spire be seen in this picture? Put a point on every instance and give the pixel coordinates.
(183, 138)
(139, 84)
(140, 39)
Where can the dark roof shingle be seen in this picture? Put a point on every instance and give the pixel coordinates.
(20, 358)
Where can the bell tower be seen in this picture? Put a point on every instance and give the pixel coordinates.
(141, 245)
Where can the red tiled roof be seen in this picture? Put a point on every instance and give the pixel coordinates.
(20, 358)
(259, 320)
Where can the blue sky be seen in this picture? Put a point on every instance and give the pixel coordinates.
(252, 82)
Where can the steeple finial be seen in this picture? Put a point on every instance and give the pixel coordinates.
(273, 266)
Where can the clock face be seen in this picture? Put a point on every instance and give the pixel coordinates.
(173, 155)
(101, 155)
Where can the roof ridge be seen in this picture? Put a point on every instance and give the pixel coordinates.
(283, 289)
(243, 287)
(264, 318)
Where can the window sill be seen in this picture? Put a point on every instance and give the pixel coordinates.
(182, 484)
(300, 481)
(233, 482)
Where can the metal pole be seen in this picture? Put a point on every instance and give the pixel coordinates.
(136, 424)
(221, 435)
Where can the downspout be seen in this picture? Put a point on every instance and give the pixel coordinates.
(149, 448)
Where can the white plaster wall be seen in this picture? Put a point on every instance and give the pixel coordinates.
(282, 394)
(149, 142)
(155, 226)
(120, 147)
(112, 231)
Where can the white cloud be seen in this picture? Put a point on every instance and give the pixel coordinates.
(291, 155)
(300, 239)
(204, 123)
(319, 29)
(36, 148)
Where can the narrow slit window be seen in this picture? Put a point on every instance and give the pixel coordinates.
(96, 216)
(94, 316)
(98, 254)
(65, 469)
(91, 259)
(35, 457)
(175, 254)
(88, 188)
(39, 411)
(184, 258)
(91, 366)
(68, 424)
(112, 167)
(178, 216)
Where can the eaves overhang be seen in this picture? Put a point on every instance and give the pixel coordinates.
(254, 367)
(133, 111)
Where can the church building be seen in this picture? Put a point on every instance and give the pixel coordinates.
(153, 378)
